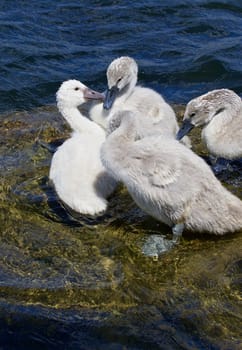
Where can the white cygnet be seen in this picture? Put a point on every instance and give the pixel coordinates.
(124, 94)
(219, 112)
(169, 181)
(80, 179)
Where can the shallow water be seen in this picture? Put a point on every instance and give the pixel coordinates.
(85, 283)
(81, 283)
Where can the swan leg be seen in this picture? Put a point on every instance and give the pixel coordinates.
(177, 231)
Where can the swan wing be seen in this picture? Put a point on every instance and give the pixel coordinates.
(160, 173)
(159, 166)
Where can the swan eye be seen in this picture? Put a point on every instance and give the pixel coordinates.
(77, 88)
(118, 81)
(192, 115)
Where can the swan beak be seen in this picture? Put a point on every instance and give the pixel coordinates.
(93, 95)
(110, 97)
(184, 129)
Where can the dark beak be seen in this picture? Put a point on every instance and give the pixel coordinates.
(93, 95)
(110, 97)
(184, 129)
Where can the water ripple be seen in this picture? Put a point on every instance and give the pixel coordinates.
(62, 40)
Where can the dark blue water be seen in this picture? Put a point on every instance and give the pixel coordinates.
(183, 48)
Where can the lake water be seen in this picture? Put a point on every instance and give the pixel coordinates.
(86, 284)
(183, 48)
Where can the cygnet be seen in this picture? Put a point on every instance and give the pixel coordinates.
(80, 179)
(169, 181)
(124, 94)
(219, 112)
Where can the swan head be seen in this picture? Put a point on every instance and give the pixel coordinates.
(72, 93)
(201, 110)
(122, 76)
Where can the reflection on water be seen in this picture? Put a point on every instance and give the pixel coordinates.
(85, 283)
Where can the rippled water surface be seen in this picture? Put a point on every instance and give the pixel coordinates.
(183, 48)
(81, 283)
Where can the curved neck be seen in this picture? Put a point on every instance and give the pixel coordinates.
(229, 108)
(220, 130)
(126, 132)
(126, 91)
(117, 145)
(77, 121)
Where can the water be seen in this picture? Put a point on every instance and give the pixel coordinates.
(82, 283)
(183, 48)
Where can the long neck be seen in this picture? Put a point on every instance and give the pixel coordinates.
(218, 134)
(127, 131)
(227, 113)
(77, 121)
(229, 108)
(126, 92)
(119, 141)
(116, 148)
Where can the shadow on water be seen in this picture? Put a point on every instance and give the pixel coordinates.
(76, 282)
(62, 212)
